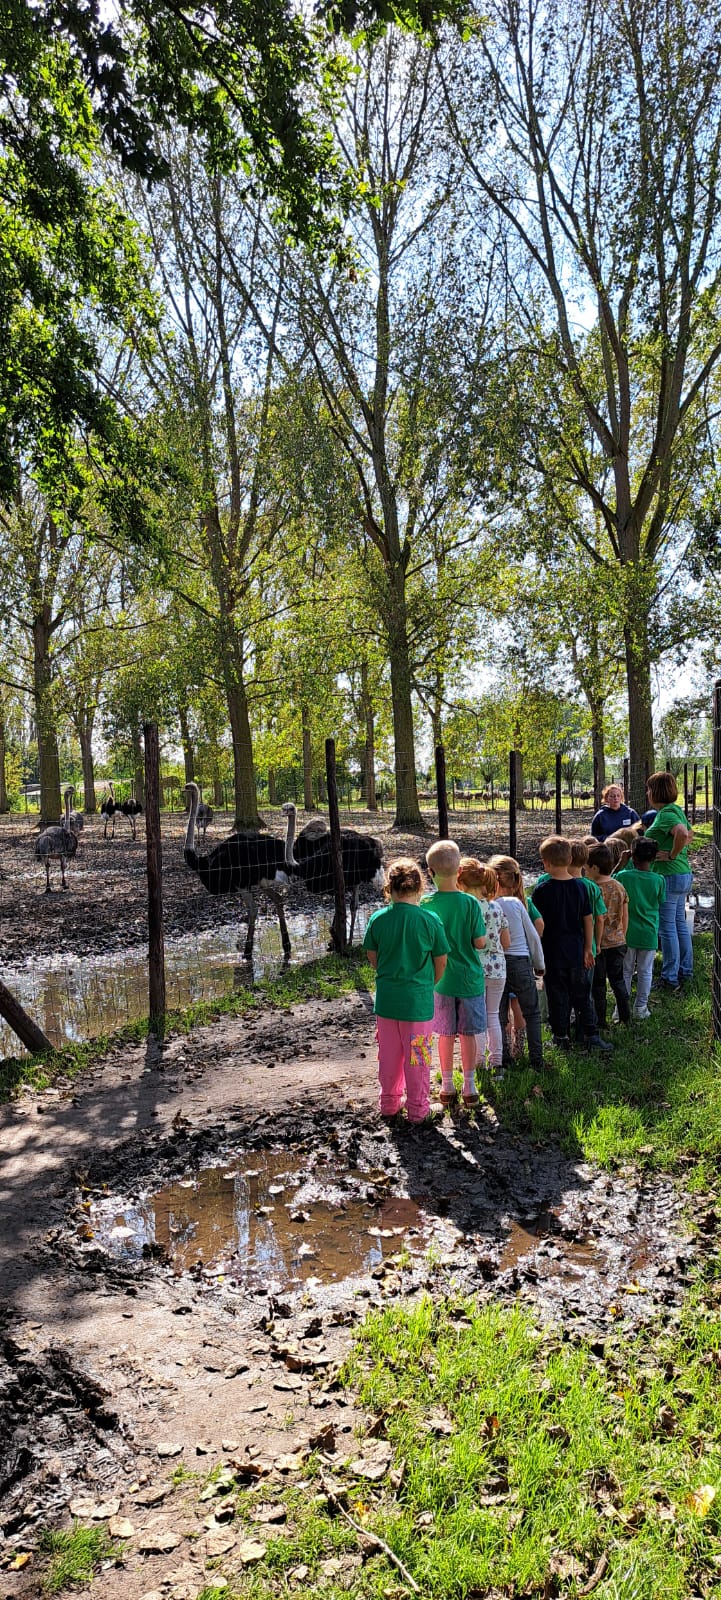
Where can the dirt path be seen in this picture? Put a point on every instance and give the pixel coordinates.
(219, 1340)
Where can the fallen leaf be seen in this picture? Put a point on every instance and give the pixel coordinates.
(235, 1369)
(490, 1427)
(372, 1471)
(153, 1496)
(298, 1574)
(107, 1508)
(291, 1462)
(219, 1543)
(306, 1250)
(270, 1514)
(324, 1439)
(250, 1551)
(700, 1501)
(202, 1449)
(20, 1560)
(120, 1528)
(83, 1506)
(158, 1541)
(331, 1567)
(230, 1445)
(167, 1450)
(291, 1382)
(152, 1594)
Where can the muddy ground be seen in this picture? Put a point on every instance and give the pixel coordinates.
(105, 905)
(158, 1315)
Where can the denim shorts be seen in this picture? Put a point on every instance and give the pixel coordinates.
(454, 1016)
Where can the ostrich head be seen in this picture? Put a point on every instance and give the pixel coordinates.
(290, 811)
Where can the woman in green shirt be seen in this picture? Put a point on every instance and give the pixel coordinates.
(671, 833)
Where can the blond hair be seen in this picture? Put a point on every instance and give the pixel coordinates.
(403, 877)
(443, 859)
(555, 851)
(472, 874)
(508, 871)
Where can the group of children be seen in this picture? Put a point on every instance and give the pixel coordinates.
(466, 960)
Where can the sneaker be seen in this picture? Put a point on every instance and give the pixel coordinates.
(597, 1043)
(670, 988)
(640, 1016)
(615, 1017)
(562, 1044)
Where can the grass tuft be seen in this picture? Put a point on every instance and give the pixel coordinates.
(76, 1553)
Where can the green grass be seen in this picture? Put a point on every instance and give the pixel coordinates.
(75, 1555)
(549, 1455)
(702, 835)
(656, 1101)
(324, 979)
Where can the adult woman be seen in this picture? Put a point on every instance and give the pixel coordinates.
(671, 832)
(613, 814)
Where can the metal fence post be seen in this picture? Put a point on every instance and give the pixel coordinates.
(559, 785)
(693, 801)
(156, 946)
(441, 792)
(685, 788)
(512, 803)
(716, 850)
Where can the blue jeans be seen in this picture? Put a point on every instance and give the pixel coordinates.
(676, 947)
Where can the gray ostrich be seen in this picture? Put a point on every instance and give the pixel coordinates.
(57, 843)
(204, 818)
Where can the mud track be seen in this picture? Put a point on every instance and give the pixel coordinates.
(115, 1370)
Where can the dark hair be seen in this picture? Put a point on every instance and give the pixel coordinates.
(644, 850)
(662, 788)
(600, 857)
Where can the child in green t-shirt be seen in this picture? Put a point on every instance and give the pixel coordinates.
(646, 892)
(407, 946)
(460, 1002)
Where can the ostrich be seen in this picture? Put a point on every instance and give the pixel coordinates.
(131, 808)
(205, 817)
(57, 843)
(242, 864)
(109, 810)
(362, 860)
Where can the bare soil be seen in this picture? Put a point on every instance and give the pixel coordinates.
(114, 1372)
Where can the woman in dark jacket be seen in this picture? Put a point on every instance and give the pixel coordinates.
(613, 814)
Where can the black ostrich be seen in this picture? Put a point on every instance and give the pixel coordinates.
(131, 809)
(242, 864)
(362, 861)
(109, 810)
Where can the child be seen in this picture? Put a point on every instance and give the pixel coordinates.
(612, 946)
(475, 879)
(646, 892)
(524, 957)
(408, 948)
(565, 905)
(460, 1004)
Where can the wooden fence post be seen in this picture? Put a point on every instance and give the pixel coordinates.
(156, 945)
(559, 785)
(339, 930)
(512, 803)
(693, 802)
(27, 1031)
(442, 792)
(625, 779)
(706, 807)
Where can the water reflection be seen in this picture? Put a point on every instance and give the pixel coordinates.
(259, 1219)
(75, 998)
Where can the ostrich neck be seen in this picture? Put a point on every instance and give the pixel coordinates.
(190, 831)
(289, 837)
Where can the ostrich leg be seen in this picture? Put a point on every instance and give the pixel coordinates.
(62, 871)
(47, 875)
(353, 910)
(276, 900)
(248, 899)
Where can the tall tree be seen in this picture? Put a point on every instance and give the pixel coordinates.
(594, 129)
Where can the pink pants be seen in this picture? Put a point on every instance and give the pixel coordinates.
(404, 1060)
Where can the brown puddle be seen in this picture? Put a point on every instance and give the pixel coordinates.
(565, 1257)
(261, 1219)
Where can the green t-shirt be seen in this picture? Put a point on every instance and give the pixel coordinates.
(646, 892)
(532, 910)
(660, 831)
(405, 937)
(598, 906)
(462, 920)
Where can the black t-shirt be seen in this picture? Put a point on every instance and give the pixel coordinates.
(563, 903)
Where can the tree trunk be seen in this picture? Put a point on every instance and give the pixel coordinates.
(408, 813)
(48, 756)
(640, 718)
(598, 741)
(246, 794)
(272, 791)
(138, 767)
(85, 735)
(4, 804)
(307, 759)
(369, 747)
(187, 743)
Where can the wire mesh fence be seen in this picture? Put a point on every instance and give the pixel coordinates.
(716, 851)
